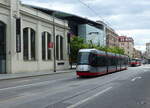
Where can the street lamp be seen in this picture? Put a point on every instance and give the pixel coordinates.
(54, 42)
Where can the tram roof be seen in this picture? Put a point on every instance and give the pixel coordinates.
(92, 50)
(88, 50)
(102, 52)
(109, 53)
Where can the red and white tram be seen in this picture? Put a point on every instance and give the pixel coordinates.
(92, 62)
(135, 62)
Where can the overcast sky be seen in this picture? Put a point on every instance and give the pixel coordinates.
(127, 17)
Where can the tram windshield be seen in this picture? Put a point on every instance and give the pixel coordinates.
(83, 58)
(133, 60)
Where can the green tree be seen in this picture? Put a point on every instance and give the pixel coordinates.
(78, 43)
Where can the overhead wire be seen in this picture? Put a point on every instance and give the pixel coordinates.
(92, 10)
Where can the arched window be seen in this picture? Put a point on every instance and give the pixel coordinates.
(59, 47)
(46, 46)
(28, 44)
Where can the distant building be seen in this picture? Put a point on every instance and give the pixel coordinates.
(91, 34)
(111, 38)
(137, 53)
(127, 43)
(80, 26)
(147, 53)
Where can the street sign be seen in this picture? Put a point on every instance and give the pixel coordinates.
(50, 45)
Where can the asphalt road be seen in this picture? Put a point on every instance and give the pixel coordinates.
(124, 89)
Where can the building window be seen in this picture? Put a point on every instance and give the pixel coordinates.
(32, 37)
(28, 44)
(46, 50)
(59, 47)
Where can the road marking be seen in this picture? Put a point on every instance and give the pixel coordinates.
(89, 98)
(135, 78)
(31, 85)
(21, 81)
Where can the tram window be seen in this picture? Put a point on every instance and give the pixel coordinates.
(108, 61)
(118, 61)
(83, 58)
(93, 59)
(101, 60)
(111, 61)
(104, 61)
(121, 61)
(114, 61)
(98, 60)
(125, 61)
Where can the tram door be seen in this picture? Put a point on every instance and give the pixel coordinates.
(2, 48)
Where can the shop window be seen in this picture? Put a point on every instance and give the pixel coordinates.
(49, 52)
(43, 46)
(28, 44)
(46, 50)
(32, 36)
(59, 47)
(25, 44)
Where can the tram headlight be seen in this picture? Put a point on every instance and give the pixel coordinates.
(83, 68)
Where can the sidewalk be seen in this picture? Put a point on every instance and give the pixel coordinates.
(31, 74)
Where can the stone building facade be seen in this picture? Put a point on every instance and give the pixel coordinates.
(127, 43)
(111, 38)
(147, 53)
(29, 38)
(137, 54)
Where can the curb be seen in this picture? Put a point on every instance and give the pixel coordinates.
(30, 76)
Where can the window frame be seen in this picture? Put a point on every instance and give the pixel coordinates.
(29, 53)
(46, 52)
(59, 47)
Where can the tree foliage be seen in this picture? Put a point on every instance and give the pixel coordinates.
(78, 43)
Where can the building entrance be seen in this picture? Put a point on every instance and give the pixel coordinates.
(2, 48)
